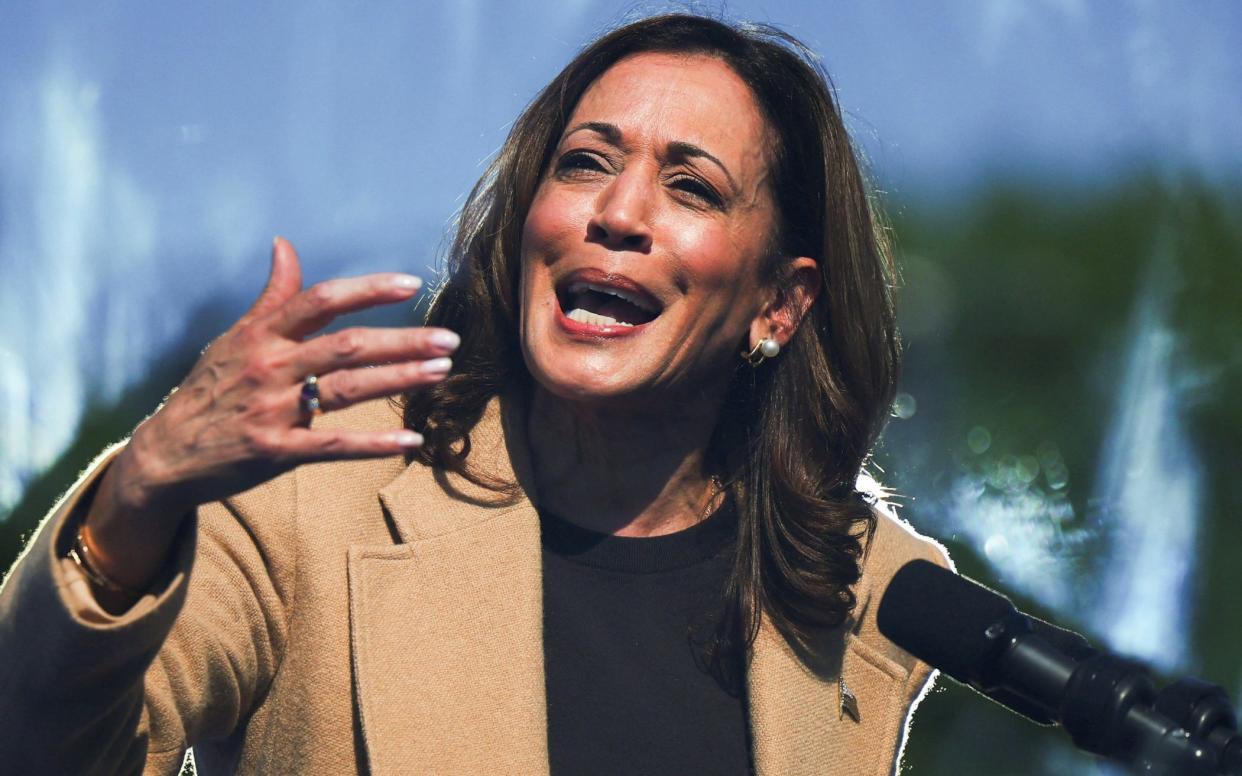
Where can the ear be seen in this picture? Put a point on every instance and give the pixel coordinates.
(789, 304)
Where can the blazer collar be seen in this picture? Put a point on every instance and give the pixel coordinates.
(424, 504)
(458, 606)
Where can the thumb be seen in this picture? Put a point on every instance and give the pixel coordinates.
(284, 281)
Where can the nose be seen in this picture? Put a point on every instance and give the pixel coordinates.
(620, 221)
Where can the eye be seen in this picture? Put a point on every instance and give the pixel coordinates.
(579, 161)
(697, 189)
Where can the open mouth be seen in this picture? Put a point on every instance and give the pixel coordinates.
(606, 302)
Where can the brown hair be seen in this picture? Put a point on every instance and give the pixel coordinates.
(794, 434)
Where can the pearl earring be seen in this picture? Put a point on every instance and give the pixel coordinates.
(767, 348)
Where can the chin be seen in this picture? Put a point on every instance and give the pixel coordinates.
(583, 378)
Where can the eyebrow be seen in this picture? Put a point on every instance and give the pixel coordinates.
(611, 132)
(677, 148)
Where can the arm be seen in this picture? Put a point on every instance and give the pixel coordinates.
(196, 510)
(87, 692)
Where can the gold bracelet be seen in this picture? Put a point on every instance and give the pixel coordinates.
(80, 553)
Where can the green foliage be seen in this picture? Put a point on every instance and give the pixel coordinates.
(1018, 309)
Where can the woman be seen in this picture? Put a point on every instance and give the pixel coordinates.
(622, 535)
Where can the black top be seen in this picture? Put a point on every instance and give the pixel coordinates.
(624, 621)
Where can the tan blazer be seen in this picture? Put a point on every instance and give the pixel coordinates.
(367, 616)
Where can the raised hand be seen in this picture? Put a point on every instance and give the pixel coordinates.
(236, 421)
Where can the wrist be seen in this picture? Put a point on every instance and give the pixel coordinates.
(140, 488)
(89, 560)
(125, 536)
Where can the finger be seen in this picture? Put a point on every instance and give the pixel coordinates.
(284, 280)
(311, 446)
(364, 346)
(341, 389)
(318, 305)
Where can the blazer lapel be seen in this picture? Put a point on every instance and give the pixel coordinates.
(447, 640)
(447, 626)
(838, 711)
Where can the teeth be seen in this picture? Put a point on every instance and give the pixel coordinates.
(594, 319)
(579, 287)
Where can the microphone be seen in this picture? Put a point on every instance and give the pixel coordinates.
(1045, 673)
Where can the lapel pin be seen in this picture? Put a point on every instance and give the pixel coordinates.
(849, 704)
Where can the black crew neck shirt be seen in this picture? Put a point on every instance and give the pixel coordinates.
(624, 618)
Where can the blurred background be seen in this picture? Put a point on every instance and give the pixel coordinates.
(1063, 178)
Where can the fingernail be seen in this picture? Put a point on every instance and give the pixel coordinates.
(437, 366)
(408, 438)
(445, 339)
(276, 241)
(407, 281)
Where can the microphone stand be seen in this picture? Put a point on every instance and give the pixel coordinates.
(1110, 707)
(1204, 711)
(1107, 709)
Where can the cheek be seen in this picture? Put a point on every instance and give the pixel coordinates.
(724, 267)
(730, 296)
(543, 229)
(553, 219)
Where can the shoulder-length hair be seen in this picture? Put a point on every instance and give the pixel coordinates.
(794, 433)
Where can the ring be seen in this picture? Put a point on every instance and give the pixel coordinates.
(309, 400)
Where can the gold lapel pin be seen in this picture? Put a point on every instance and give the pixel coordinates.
(849, 704)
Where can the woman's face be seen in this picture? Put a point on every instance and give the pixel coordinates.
(642, 249)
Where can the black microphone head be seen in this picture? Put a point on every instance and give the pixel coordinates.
(942, 618)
